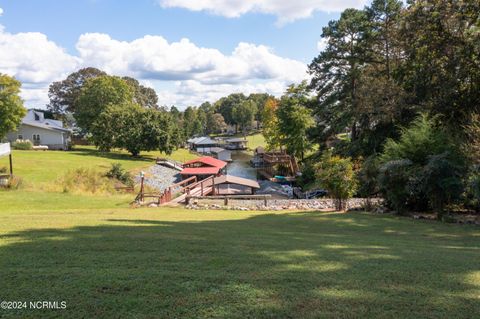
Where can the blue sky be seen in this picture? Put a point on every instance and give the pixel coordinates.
(198, 50)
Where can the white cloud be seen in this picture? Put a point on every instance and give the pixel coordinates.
(1, 12)
(285, 10)
(322, 44)
(181, 72)
(152, 57)
(35, 61)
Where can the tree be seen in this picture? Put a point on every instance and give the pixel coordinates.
(225, 106)
(295, 120)
(259, 99)
(215, 123)
(142, 95)
(98, 93)
(11, 105)
(134, 128)
(244, 113)
(64, 94)
(442, 58)
(336, 175)
(270, 124)
(336, 73)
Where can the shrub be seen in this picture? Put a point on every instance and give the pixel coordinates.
(472, 192)
(22, 145)
(422, 169)
(3, 170)
(336, 175)
(119, 173)
(393, 179)
(85, 180)
(367, 178)
(441, 181)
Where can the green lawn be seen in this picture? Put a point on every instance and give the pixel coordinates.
(110, 261)
(255, 141)
(40, 170)
(174, 263)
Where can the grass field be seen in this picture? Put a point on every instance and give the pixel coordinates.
(174, 263)
(40, 171)
(110, 261)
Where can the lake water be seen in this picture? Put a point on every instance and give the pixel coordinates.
(240, 165)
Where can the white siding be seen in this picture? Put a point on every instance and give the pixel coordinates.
(53, 139)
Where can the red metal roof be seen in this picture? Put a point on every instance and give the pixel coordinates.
(200, 171)
(207, 160)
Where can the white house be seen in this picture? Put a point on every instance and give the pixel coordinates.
(41, 131)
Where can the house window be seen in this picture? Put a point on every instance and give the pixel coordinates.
(20, 136)
(37, 118)
(36, 139)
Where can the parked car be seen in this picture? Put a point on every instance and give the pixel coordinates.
(316, 193)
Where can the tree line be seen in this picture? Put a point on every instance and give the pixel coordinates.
(397, 93)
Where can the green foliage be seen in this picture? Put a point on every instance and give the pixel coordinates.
(118, 172)
(215, 123)
(226, 105)
(142, 95)
(442, 181)
(97, 94)
(472, 193)
(424, 165)
(295, 120)
(368, 177)
(133, 128)
(243, 114)
(22, 145)
(11, 105)
(270, 124)
(64, 94)
(394, 179)
(417, 142)
(336, 175)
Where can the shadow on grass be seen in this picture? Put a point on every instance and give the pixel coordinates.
(299, 265)
(113, 155)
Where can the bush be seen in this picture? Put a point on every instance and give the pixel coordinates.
(423, 169)
(117, 172)
(336, 175)
(441, 181)
(367, 178)
(3, 170)
(472, 191)
(393, 180)
(85, 180)
(22, 145)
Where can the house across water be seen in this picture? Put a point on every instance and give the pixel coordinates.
(237, 143)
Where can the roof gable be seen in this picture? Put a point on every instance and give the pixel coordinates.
(207, 160)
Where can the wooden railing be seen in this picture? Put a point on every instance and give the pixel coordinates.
(204, 183)
(276, 158)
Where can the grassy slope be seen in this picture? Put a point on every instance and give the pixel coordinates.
(170, 263)
(39, 170)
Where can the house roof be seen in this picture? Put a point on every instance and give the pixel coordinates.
(217, 150)
(207, 160)
(230, 179)
(37, 119)
(204, 140)
(200, 171)
(236, 140)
